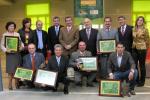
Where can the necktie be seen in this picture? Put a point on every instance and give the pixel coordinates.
(33, 63)
(56, 30)
(122, 30)
(58, 60)
(88, 33)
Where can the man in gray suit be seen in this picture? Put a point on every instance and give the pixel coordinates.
(33, 61)
(74, 63)
(107, 32)
(121, 66)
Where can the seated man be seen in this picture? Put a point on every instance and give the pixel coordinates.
(74, 62)
(121, 66)
(33, 61)
(59, 63)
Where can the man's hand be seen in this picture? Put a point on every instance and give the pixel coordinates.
(111, 76)
(67, 47)
(131, 75)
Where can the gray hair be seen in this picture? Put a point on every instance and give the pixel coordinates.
(58, 46)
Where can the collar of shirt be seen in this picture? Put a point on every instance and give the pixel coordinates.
(57, 27)
(119, 55)
(107, 28)
(32, 55)
(69, 27)
(58, 57)
(88, 29)
(123, 26)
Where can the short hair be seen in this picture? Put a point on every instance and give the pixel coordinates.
(119, 43)
(68, 17)
(39, 21)
(56, 17)
(107, 17)
(10, 23)
(26, 20)
(32, 44)
(58, 46)
(122, 17)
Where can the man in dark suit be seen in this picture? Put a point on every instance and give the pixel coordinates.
(33, 61)
(53, 34)
(40, 38)
(59, 63)
(125, 33)
(121, 66)
(89, 36)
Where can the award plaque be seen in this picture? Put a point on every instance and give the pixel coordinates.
(110, 88)
(12, 43)
(88, 63)
(46, 77)
(23, 73)
(107, 46)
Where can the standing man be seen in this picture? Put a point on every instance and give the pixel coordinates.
(40, 38)
(59, 63)
(125, 33)
(121, 66)
(107, 32)
(69, 37)
(89, 36)
(81, 52)
(53, 34)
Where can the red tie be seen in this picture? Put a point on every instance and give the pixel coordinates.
(33, 63)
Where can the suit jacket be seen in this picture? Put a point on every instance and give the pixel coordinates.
(39, 59)
(22, 36)
(91, 42)
(141, 40)
(69, 38)
(53, 38)
(61, 68)
(103, 34)
(127, 38)
(75, 55)
(44, 38)
(127, 62)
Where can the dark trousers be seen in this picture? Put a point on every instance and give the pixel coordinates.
(140, 56)
(64, 80)
(124, 76)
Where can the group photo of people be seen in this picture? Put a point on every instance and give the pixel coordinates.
(60, 47)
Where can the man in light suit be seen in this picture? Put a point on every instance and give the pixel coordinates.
(69, 37)
(125, 33)
(74, 63)
(121, 66)
(89, 36)
(53, 34)
(40, 38)
(33, 61)
(107, 32)
(59, 63)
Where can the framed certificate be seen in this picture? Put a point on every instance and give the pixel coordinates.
(23, 73)
(46, 77)
(110, 88)
(107, 46)
(88, 63)
(12, 43)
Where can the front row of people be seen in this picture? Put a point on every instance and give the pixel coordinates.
(120, 66)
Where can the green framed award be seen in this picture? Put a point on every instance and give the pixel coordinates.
(107, 46)
(46, 77)
(23, 73)
(110, 88)
(12, 43)
(88, 63)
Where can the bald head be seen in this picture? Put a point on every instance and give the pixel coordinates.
(82, 46)
(31, 48)
(39, 24)
(87, 23)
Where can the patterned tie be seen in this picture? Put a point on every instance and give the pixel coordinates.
(122, 30)
(88, 33)
(33, 63)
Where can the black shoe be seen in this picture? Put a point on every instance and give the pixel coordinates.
(79, 84)
(89, 85)
(132, 92)
(140, 84)
(66, 90)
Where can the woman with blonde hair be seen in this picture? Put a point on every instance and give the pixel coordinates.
(140, 46)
